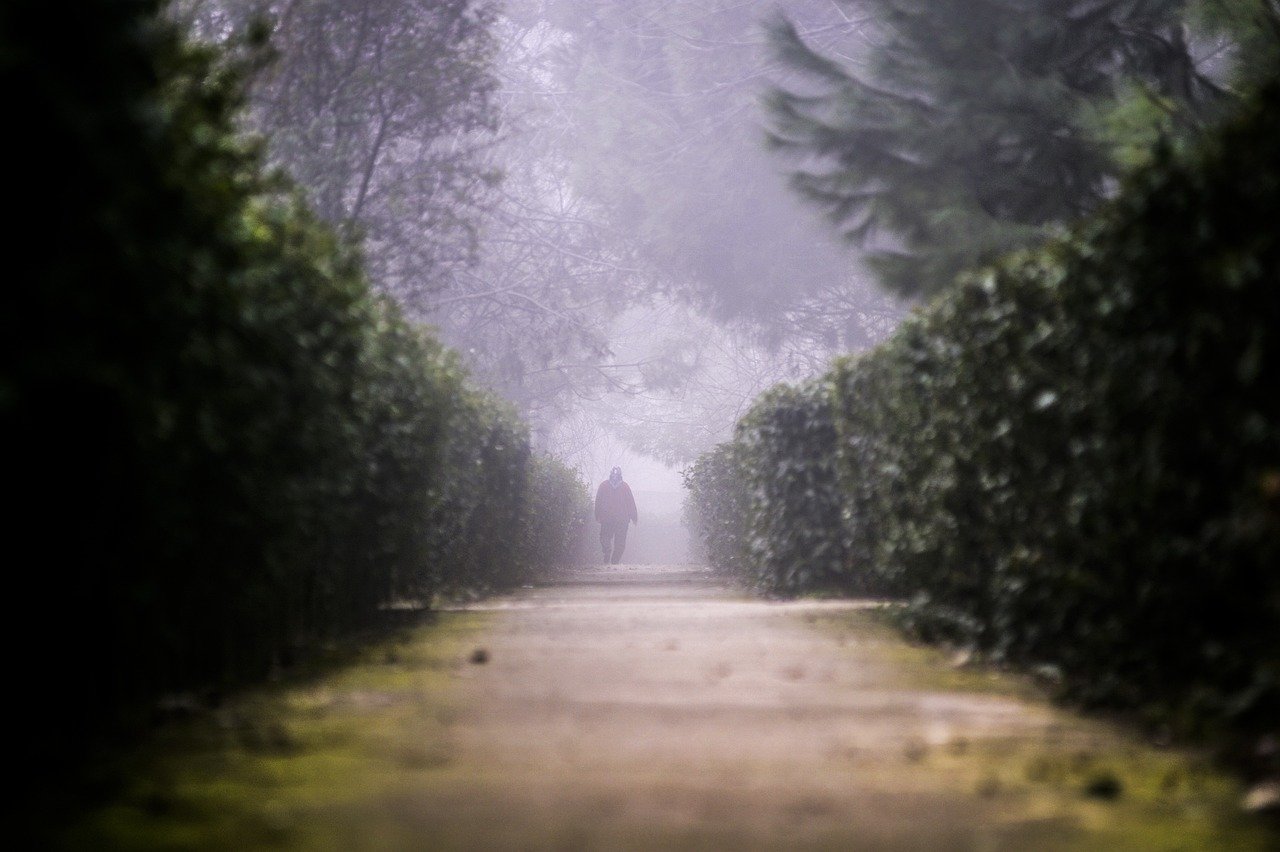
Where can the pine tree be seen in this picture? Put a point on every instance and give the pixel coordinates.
(970, 127)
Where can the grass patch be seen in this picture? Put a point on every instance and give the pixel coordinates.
(301, 764)
(1067, 782)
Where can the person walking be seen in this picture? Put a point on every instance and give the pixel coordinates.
(615, 510)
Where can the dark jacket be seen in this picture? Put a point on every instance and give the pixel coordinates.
(615, 505)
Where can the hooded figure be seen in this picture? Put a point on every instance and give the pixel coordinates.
(615, 510)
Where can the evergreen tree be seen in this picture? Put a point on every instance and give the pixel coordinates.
(1246, 36)
(970, 127)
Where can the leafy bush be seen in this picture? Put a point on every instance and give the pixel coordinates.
(556, 519)
(227, 449)
(717, 507)
(768, 507)
(476, 511)
(1073, 461)
(797, 535)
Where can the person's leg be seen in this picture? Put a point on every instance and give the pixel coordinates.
(606, 540)
(619, 541)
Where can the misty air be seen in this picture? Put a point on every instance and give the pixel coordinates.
(637, 425)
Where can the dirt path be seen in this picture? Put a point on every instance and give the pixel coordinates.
(651, 708)
(647, 707)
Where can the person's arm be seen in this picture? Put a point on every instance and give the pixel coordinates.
(631, 504)
(599, 502)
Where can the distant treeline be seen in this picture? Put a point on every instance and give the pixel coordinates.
(224, 449)
(1069, 462)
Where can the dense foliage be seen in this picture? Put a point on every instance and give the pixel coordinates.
(380, 111)
(558, 519)
(501, 515)
(793, 502)
(715, 508)
(226, 449)
(1073, 460)
(769, 506)
(948, 133)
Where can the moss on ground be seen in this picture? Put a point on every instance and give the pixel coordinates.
(1073, 784)
(304, 765)
(369, 755)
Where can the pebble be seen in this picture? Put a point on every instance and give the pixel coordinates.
(1263, 798)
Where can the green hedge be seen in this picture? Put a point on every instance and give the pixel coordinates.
(476, 515)
(557, 519)
(501, 516)
(1072, 462)
(797, 539)
(716, 508)
(225, 449)
(768, 507)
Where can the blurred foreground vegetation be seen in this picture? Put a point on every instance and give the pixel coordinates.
(226, 450)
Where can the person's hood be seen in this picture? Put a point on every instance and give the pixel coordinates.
(615, 477)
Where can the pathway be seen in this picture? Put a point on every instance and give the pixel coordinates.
(655, 708)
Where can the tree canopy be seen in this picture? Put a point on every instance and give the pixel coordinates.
(953, 131)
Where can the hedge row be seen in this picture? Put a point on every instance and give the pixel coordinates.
(500, 516)
(768, 504)
(224, 449)
(1071, 462)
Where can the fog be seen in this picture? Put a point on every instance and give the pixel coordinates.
(943, 323)
(644, 121)
(631, 217)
